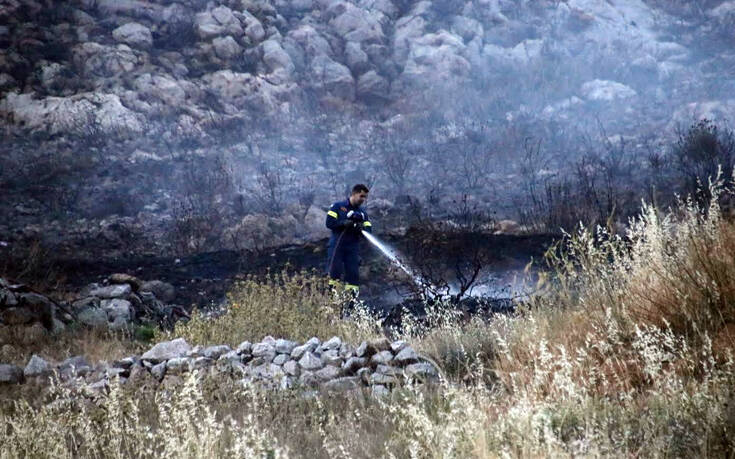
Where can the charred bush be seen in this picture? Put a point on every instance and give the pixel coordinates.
(699, 153)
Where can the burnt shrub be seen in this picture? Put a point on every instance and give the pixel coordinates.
(699, 153)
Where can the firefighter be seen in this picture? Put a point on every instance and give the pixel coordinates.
(347, 220)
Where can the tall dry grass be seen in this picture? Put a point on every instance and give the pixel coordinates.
(295, 306)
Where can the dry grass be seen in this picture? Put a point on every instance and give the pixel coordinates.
(95, 345)
(284, 305)
(626, 351)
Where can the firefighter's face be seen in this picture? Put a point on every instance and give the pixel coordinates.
(358, 199)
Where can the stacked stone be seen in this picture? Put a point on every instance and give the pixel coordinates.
(332, 365)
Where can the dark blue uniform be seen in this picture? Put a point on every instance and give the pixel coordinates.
(343, 251)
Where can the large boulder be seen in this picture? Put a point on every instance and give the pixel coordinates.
(167, 350)
(134, 34)
(333, 78)
(312, 42)
(370, 85)
(226, 47)
(275, 58)
(162, 290)
(357, 59)
(71, 114)
(354, 24)
(36, 367)
(93, 317)
(219, 21)
(107, 61)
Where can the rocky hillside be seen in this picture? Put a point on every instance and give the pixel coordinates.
(125, 63)
(131, 120)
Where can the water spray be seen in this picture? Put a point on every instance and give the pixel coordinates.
(393, 257)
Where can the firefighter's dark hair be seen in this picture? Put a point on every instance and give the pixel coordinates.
(359, 188)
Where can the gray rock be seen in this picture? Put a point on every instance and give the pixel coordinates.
(162, 290)
(269, 340)
(264, 350)
(226, 47)
(178, 365)
(10, 374)
(36, 367)
(343, 384)
(310, 362)
(93, 317)
(398, 346)
(327, 373)
(291, 368)
(406, 355)
(276, 58)
(74, 366)
(134, 34)
(333, 77)
(281, 359)
(353, 364)
(255, 31)
(381, 358)
(332, 344)
(346, 350)
(159, 371)
(214, 352)
(357, 59)
(383, 379)
(167, 350)
(372, 85)
(364, 375)
(379, 390)
(421, 370)
(284, 346)
(7, 298)
(117, 308)
(245, 347)
(58, 327)
(362, 350)
(112, 291)
(16, 316)
(231, 356)
(353, 23)
(309, 346)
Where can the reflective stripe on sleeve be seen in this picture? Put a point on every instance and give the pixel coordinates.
(367, 224)
(332, 214)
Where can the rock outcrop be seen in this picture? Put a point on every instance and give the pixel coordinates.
(124, 301)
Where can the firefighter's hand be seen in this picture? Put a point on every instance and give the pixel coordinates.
(355, 216)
